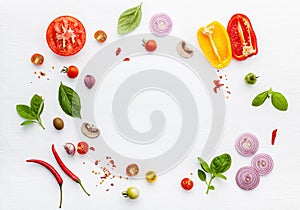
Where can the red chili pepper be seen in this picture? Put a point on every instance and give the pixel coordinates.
(54, 172)
(274, 133)
(66, 170)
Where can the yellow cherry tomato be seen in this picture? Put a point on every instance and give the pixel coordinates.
(214, 42)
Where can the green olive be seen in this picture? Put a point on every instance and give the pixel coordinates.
(58, 123)
(251, 78)
(131, 192)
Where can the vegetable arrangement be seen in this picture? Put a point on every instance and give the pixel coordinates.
(66, 36)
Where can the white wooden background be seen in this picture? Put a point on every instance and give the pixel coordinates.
(22, 33)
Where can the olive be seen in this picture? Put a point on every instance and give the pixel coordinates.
(58, 123)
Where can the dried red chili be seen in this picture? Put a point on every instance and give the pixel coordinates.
(53, 171)
(274, 134)
(66, 170)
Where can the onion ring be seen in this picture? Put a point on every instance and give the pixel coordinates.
(263, 163)
(161, 24)
(246, 144)
(247, 178)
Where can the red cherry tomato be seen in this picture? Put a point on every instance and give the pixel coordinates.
(82, 147)
(242, 37)
(150, 45)
(37, 59)
(187, 183)
(72, 71)
(66, 35)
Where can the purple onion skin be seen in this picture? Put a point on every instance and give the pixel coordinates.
(89, 81)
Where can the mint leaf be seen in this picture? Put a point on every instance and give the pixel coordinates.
(279, 101)
(130, 19)
(260, 98)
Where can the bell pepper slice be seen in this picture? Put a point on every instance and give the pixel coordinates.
(242, 37)
(215, 44)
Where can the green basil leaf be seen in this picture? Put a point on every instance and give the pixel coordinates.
(27, 122)
(221, 176)
(26, 112)
(201, 175)
(35, 103)
(41, 108)
(69, 101)
(279, 101)
(130, 19)
(204, 165)
(260, 98)
(220, 164)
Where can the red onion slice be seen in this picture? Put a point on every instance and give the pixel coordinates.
(247, 178)
(161, 24)
(246, 144)
(263, 163)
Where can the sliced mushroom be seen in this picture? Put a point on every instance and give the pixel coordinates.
(90, 130)
(183, 50)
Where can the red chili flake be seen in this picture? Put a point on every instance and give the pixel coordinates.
(107, 190)
(228, 92)
(126, 59)
(118, 51)
(92, 148)
(112, 184)
(112, 162)
(220, 77)
(274, 134)
(39, 76)
(52, 67)
(96, 162)
(42, 73)
(217, 85)
(34, 72)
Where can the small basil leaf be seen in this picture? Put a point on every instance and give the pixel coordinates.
(220, 164)
(260, 98)
(279, 101)
(41, 108)
(130, 19)
(27, 122)
(221, 176)
(201, 175)
(204, 165)
(211, 187)
(69, 101)
(26, 112)
(35, 103)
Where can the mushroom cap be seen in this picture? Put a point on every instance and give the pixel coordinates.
(90, 130)
(183, 50)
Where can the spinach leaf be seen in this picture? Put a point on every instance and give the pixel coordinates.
(69, 101)
(279, 101)
(130, 19)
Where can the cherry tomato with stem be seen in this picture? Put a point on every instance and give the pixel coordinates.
(71, 71)
(150, 45)
(82, 148)
(66, 35)
(187, 183)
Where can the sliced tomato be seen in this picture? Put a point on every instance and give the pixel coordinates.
(242, 37)
(66, 35)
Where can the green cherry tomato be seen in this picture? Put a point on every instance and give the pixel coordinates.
(131, 192)
(251, 78)
(151, 176)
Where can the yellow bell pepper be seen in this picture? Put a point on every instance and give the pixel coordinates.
(214, 42)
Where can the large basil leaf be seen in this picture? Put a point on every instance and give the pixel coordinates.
(69, 101)
(130, 19)
(279, 101)
(26, 112)
(220, 164)
(260, 98)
